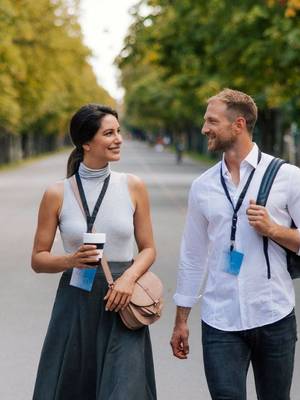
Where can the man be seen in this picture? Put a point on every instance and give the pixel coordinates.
(247, 310)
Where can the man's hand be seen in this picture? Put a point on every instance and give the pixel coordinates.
(259, 219)
(180, 340)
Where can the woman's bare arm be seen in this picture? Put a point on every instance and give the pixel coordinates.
(120, 296)
(42, 260)
(142, 228)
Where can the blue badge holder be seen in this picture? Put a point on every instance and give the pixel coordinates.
(83, 278)
(234, 263)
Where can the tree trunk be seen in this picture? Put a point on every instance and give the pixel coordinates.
(268, 133)
(11, 149)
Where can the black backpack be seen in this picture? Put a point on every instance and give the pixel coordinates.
(293, 260)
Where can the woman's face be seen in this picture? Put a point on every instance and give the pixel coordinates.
(106, 144)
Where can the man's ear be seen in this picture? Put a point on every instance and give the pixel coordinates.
(240, 123)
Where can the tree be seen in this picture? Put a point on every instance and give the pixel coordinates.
(44, 70)
(194, 49)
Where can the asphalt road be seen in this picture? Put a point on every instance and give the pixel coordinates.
(27, 298)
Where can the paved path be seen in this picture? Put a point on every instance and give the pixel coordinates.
(26, 297)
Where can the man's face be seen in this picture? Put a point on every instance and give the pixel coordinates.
(217, 127)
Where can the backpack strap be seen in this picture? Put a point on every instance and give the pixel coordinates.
(267, 181)
(262, 198)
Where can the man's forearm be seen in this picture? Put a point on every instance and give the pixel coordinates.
(286, 237)
(182, 314)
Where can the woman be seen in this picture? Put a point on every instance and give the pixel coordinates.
(88, 353)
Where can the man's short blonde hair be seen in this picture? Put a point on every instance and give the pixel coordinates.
(239, 104)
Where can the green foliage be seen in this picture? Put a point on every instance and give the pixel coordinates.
(184, 51)
(44, 70)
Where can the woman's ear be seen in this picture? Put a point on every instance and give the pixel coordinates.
(86, 147)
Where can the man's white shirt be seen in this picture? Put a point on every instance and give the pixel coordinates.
(249, 300)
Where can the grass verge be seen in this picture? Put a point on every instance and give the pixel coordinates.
(205, 159)
(27, 161)
(202, 158)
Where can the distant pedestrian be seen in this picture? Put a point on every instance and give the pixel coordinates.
(247, 309)
(88, 353)
(179, 149)
(159, 144)
(166, 140)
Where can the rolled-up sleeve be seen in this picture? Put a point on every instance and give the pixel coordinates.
(193, 252)
(294, 198)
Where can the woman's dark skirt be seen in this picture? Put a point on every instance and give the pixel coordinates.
(88, 353)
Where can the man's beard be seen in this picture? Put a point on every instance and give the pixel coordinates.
(222, 144)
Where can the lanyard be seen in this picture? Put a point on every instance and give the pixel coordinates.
(239, 202)
(90, 219)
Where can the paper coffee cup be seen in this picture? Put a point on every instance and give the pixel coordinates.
(97, 239)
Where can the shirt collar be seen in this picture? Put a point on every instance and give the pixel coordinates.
(252, 156)
(251, 159)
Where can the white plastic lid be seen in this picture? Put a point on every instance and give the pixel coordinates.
(94, 237)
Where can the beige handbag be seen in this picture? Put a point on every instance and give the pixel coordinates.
(146, 301)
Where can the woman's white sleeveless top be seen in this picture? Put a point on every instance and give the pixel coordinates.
(115, 216)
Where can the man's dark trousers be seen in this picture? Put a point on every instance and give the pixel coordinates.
(270, 349)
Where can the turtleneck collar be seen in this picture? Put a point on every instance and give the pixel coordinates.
(88, 173)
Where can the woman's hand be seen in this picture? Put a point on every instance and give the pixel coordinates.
(87, 253)
(119, 295)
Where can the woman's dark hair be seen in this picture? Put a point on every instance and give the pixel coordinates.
(84, 124)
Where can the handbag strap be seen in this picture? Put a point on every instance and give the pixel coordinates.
(104, 263)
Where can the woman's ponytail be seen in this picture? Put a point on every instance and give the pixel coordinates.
(74, 161)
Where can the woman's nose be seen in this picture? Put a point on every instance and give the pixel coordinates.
(118, 138)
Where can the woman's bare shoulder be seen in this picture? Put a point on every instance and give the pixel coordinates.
(55, 190)
(54, 195)
(135, 182)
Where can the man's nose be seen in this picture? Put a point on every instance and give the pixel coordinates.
(204, 129)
